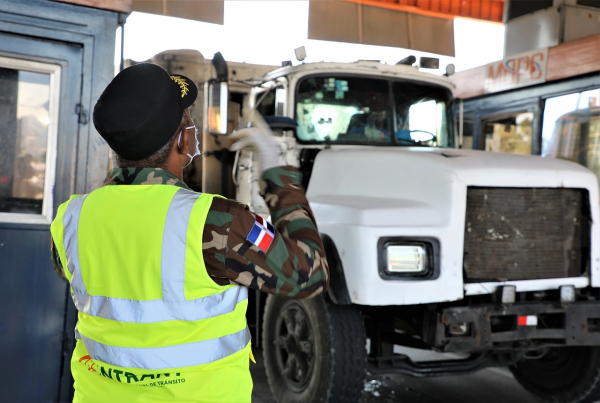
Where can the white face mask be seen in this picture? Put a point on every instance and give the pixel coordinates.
(197, 149)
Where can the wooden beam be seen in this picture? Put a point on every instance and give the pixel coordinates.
(198, 10)
(566, 60)
(124, 6)
(574, 58)
(469, 83)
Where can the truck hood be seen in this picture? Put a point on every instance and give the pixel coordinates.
(355, 185)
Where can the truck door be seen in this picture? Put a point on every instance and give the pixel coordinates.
(40, 88)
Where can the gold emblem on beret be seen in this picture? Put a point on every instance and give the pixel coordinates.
(182, 84)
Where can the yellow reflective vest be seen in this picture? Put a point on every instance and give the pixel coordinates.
(152, 325)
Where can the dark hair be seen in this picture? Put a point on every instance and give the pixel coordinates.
(159, 158)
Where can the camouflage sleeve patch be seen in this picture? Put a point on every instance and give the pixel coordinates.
(294, 264)
(261, 234)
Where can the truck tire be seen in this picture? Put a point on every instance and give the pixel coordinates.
(314, 351)
(562, 375)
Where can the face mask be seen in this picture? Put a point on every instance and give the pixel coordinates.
(197, 149)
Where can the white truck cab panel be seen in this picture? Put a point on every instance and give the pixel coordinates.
(360, 195)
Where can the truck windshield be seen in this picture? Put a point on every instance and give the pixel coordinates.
(363, 110)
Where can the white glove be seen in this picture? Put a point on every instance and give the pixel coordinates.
(258, 139)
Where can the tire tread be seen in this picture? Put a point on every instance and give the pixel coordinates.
(343, 352)
(586, 389)
(349, 354)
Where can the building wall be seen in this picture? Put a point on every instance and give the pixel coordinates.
(38, 317)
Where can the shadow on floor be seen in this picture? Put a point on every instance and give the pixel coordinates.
(494, 385)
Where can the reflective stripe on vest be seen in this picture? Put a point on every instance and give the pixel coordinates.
(183, 355)
(174, 244)
(158, 310)
(173, 305)
(71, 220)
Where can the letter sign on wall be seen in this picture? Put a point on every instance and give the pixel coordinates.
(520, 70)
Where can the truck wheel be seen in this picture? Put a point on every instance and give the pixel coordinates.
(314, 351)
(562, 375)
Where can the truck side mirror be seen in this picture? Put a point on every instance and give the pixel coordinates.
(218, 100)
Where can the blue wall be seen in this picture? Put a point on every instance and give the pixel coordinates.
(37, 316)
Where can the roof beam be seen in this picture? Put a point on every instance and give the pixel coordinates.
(487, 10)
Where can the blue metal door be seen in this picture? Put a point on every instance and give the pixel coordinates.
(40, 88)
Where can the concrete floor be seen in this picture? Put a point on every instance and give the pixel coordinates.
(493, 385)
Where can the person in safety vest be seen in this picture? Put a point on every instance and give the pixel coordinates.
(159, 273)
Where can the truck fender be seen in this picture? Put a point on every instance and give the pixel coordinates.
(338, 290)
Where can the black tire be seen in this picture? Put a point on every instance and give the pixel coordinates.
(562, 375)
(314, 351)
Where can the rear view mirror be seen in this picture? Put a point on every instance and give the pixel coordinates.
(218, 100)
(429, 63)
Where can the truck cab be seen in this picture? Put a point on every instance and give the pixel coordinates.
(491, 256)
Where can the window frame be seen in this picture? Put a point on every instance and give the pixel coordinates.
(258, 94)
(54, 70)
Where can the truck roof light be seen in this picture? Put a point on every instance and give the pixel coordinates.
(429, 62)
(300, 53)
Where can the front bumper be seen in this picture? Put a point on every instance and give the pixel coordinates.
(494, 327)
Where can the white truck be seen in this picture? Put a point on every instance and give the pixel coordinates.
(494, 257)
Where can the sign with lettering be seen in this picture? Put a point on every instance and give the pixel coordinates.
(520, 70)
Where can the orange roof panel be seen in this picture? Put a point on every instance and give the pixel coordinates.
(487, 10)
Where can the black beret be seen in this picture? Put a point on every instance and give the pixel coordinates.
(141, 108)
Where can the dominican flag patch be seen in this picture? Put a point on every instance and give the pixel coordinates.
(262, 234)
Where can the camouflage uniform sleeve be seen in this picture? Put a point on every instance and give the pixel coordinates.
(294, 265)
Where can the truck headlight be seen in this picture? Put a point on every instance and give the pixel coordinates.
(406, 258)
(403, 258)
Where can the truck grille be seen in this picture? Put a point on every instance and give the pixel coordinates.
(525, 233)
